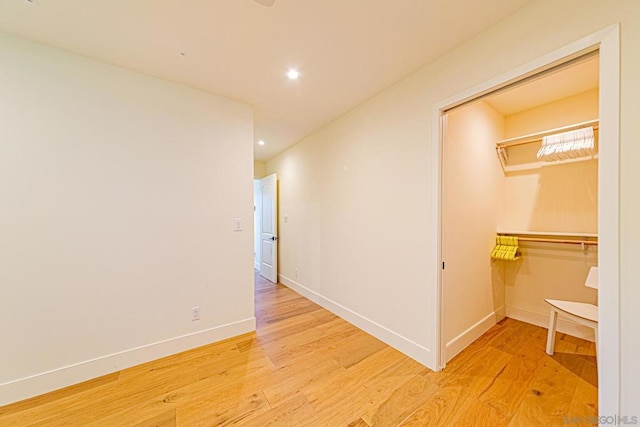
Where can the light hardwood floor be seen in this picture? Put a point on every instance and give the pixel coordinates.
(305, 366)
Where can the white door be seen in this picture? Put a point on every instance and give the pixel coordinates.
(269, 228)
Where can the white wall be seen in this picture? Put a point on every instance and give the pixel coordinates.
(358, 191)
(258, 169)
(472, 204)
(356, 211)
(118, 193)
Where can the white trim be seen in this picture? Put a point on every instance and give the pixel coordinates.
(565, 325)
(462, 341)
(609, 226)
(546, 233)
(607, 41)
(435, 239)
(55, 379)
(400, 343)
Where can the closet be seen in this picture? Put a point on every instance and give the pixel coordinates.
(495, 184)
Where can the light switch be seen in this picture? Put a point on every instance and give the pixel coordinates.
(237, 224)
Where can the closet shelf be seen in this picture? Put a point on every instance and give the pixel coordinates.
(533, 137)
(545, 233)
(502, 146)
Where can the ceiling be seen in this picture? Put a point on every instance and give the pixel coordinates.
(345, 50)
(570, 80)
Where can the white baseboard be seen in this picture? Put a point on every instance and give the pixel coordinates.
(55, 379)
(564, 326)
(462, 341)
(412, 349)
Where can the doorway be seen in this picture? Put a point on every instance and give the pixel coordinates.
(495, 183)
(265, 252)
(606, 42)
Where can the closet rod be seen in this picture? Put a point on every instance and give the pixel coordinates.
(533, 137)
(547, 240)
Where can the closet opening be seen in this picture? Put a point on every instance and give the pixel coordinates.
(519, 211)
(495, 184)
(457, 322)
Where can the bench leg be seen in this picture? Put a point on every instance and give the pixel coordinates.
(551, 335)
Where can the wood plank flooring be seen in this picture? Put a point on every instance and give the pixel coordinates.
(306, 367)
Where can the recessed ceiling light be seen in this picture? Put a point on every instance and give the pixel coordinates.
(293, 74)
(261, 142)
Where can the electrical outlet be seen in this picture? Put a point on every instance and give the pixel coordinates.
(195, 313)
(295, 272)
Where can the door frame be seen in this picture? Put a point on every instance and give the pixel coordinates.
(257, 219)
(607, 42)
